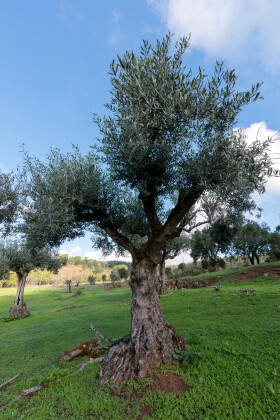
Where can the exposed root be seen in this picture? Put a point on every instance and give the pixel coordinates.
(19, 311)
(137, 357)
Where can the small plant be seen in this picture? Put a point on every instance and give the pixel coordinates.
(53, 376)
(186, 358)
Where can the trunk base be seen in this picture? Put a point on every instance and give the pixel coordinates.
(19, 310)
(135, 359)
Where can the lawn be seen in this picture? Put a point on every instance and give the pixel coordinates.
(236, 335)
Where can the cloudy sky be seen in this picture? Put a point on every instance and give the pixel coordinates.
(55, 56)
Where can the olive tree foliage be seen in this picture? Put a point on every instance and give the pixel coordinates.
(168, 137)
(21, 258)
(11, 202)
(252, 240)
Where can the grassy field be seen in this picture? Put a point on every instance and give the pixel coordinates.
(237, 335)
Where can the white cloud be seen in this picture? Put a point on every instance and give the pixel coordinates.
(184, 257)
(73, 253)
(260, 131)
(97, 255)
(232, 29)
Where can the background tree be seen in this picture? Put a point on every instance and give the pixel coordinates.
(252, 240)
(210, 242)
(168, 138)
(115, 276)
(91, 279)
(23, 258)
(171, 250)
(274, 242)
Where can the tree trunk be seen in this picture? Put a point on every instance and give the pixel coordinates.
(257, 258)
(152, 339)
(252, 258)
(246, 254)
(163, 282)
(19, 307)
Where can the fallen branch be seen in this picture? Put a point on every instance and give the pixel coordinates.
(9, 381)
(25, 393)
(88, 362)
(168, 294)
(72, 307)
(88, 348)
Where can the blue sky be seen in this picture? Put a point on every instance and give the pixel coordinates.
(55, 56)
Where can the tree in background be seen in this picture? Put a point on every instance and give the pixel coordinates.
(115, 276)
(22, 258)
(251, 240)
(170, 251)
(207, 244)
(91, 279)
(274, 243)
(168, 139)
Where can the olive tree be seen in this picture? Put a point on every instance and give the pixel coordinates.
(22, 258)
(252, 240)
(167, 139)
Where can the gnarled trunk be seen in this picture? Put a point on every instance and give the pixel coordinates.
(163, 282)
(19, 307)
(152, 339)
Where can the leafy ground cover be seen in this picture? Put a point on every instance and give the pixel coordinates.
(232, 371)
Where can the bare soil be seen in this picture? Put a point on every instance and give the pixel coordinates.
(167, 382)
(254, 272)
(247, 275)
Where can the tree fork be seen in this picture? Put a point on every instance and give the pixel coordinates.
(152, 339)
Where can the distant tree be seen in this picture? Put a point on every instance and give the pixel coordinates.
(115, 276)
(22, 258)
(170, 251)
(251, 240)
(210, 242)
(274, 242)
(91, 279)
(124, 273)
(104, 278)
(169, 135)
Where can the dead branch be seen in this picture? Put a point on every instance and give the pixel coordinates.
(88, 348)
(25, 393)
(168, 294)
(98, 333)
(9, 381)
(88, 362)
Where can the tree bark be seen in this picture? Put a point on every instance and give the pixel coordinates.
(163, 282)
(257, 258)
(19, 308)
(152, 339)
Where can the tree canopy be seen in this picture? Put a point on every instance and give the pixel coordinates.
(169, 137)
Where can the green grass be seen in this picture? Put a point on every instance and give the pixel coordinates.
(237, 336)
